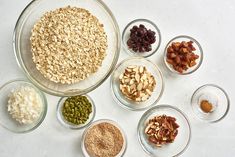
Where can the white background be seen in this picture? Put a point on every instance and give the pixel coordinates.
(211, 22)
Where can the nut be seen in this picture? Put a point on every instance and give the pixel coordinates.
(161, 130)
(136, 83)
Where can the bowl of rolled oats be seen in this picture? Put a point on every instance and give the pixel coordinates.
(137, 83)
(67, 47)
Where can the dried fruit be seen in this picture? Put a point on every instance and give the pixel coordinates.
(181, 55)
(161, 130)
(136, 83)
(141, 39)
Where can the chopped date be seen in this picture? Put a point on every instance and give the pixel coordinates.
(181, 56)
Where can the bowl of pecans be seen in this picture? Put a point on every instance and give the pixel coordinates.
(183, 55)
(67, 48)
(164, 131)
(137, 83)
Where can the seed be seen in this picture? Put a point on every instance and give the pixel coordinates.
(76, 109)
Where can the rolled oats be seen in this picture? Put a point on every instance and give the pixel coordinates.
(68, 44)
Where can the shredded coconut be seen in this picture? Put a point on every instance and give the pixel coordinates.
(25, 105)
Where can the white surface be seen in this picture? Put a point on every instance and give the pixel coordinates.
(210, 22)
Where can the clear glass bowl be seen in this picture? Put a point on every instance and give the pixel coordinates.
(123, 150)
(149, 25)
(22, 46)
(198, 52)
(67, 124)
(130, 104)
(181, 141)
(5, 118)
(221, 99)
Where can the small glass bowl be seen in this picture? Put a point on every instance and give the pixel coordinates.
(67, 124)
(222, 103)
(149, 25)
(181, 141)
(123, 150)
(130, 104)
(198, 52)
(5, 118)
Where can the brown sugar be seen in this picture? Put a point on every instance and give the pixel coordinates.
(104, 140)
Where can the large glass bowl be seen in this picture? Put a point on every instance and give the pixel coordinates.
(5, 118)
(181, 141)
(22, 46)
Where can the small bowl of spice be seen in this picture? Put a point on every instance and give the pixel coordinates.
(23, 106)
(141, 37)
(183, 55)
(164, 131)
(104, 138)
(210, 103)
(76, 112)
(137, 83)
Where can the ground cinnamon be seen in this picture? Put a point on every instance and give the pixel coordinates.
(206, 106)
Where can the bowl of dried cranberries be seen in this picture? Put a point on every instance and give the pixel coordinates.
(141, 37)
(183, 55)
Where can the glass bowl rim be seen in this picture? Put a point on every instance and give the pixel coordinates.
(174, 108)
(130, 108)
(103, 121)
(66, 124)
(43, 98)
(44, 88)
(226, 95)
(147, 21)
(200, 51)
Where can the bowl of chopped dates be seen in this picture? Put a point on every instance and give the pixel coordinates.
(183, 55)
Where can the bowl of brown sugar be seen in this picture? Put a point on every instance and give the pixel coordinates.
(104, 138)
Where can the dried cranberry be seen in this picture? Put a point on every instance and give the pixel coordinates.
(141, 39)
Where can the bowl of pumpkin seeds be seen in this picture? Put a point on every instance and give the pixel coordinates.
(76, 112)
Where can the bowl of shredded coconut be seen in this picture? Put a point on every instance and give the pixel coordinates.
(23, 107)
